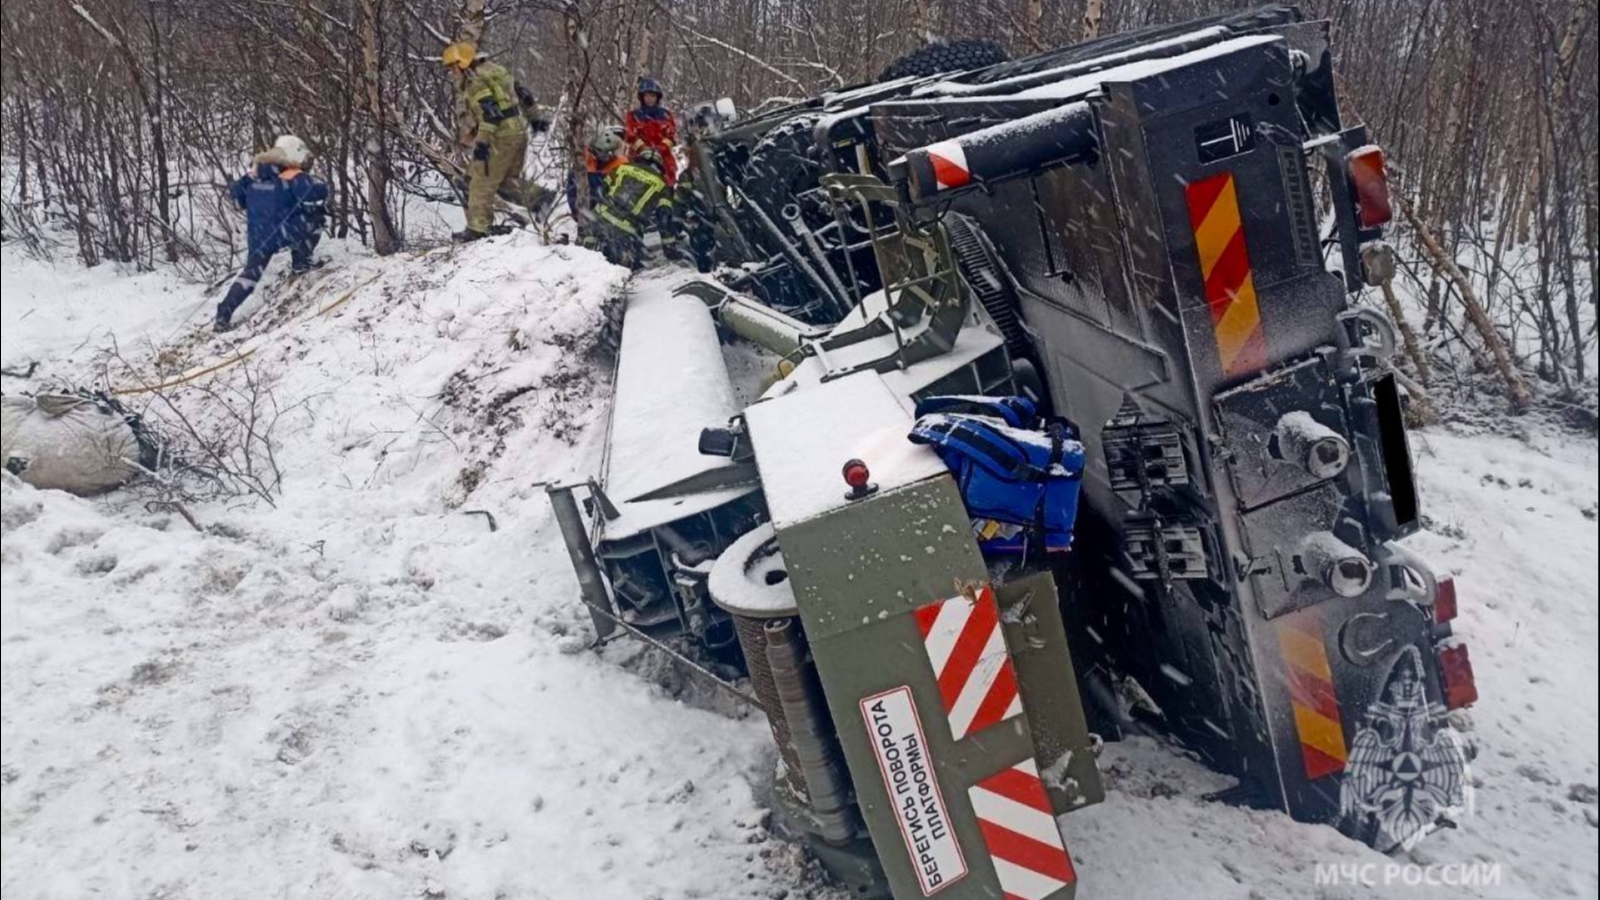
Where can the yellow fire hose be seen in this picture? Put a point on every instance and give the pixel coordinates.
(239, 355)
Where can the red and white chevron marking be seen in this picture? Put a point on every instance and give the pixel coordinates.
(949, 161)
(967, 649)
(1019, 827)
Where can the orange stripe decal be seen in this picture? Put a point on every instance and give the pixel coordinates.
(1311, 692)
(1225, 268)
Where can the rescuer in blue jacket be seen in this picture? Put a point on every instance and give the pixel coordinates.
(284, 207)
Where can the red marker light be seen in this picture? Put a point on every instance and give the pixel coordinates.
(1444, 605)
(859, 478)
(856, 474)
(1369, 177)
(1455, 671)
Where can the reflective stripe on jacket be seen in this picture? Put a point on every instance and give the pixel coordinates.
(632, 194)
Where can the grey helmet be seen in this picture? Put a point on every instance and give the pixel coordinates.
(607, 141)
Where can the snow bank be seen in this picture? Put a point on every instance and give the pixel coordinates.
(1513, 518)
(59, 311)
(397, 712)
(369, 692)
(399, 383)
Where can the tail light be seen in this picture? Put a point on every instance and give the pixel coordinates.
(1444, 603)
(1369, 177)
(1455, 671)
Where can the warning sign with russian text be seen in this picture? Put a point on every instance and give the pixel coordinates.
(913, 789)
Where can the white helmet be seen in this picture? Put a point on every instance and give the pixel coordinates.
(292, 150)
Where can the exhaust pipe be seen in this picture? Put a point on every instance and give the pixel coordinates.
(753, 320)
(1344, 569)
(1320, 450)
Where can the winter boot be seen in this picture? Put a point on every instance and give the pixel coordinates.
(230, 304)
(468, 235)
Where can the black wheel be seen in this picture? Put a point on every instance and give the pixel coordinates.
(936, 59)
(783, 165)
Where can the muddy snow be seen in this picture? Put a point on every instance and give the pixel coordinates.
(381, 686)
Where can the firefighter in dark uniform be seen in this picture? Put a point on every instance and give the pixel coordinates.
(636, 200)
(284, 208)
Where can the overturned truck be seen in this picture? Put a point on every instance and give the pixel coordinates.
(1157, 236)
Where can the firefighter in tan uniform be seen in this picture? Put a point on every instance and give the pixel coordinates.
(501, 108)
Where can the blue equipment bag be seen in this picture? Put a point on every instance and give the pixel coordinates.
(1018, 472)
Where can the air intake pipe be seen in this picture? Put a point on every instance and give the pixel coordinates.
(753, 320)
(1065, 135)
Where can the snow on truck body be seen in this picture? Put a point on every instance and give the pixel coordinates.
(667, 509)
(1154, 218)
(802, 438)
(943, 687)
(670, 383)
(897, 752)
(1131, 236)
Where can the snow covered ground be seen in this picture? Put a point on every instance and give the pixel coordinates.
(373, 690)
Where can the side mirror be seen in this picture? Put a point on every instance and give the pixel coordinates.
(731, 441)
(727, 110)
(718, 442)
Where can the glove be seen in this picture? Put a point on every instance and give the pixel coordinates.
(480, 151)
(492, 113)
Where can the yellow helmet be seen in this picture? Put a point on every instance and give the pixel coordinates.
(459, 55)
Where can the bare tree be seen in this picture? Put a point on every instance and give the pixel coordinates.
(1489, 109)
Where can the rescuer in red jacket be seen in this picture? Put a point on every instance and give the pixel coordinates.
(651, 124)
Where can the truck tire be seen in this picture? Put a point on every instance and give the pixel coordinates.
(936, 59)
(783, 164)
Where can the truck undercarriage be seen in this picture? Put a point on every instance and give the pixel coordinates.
(1156, 235)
